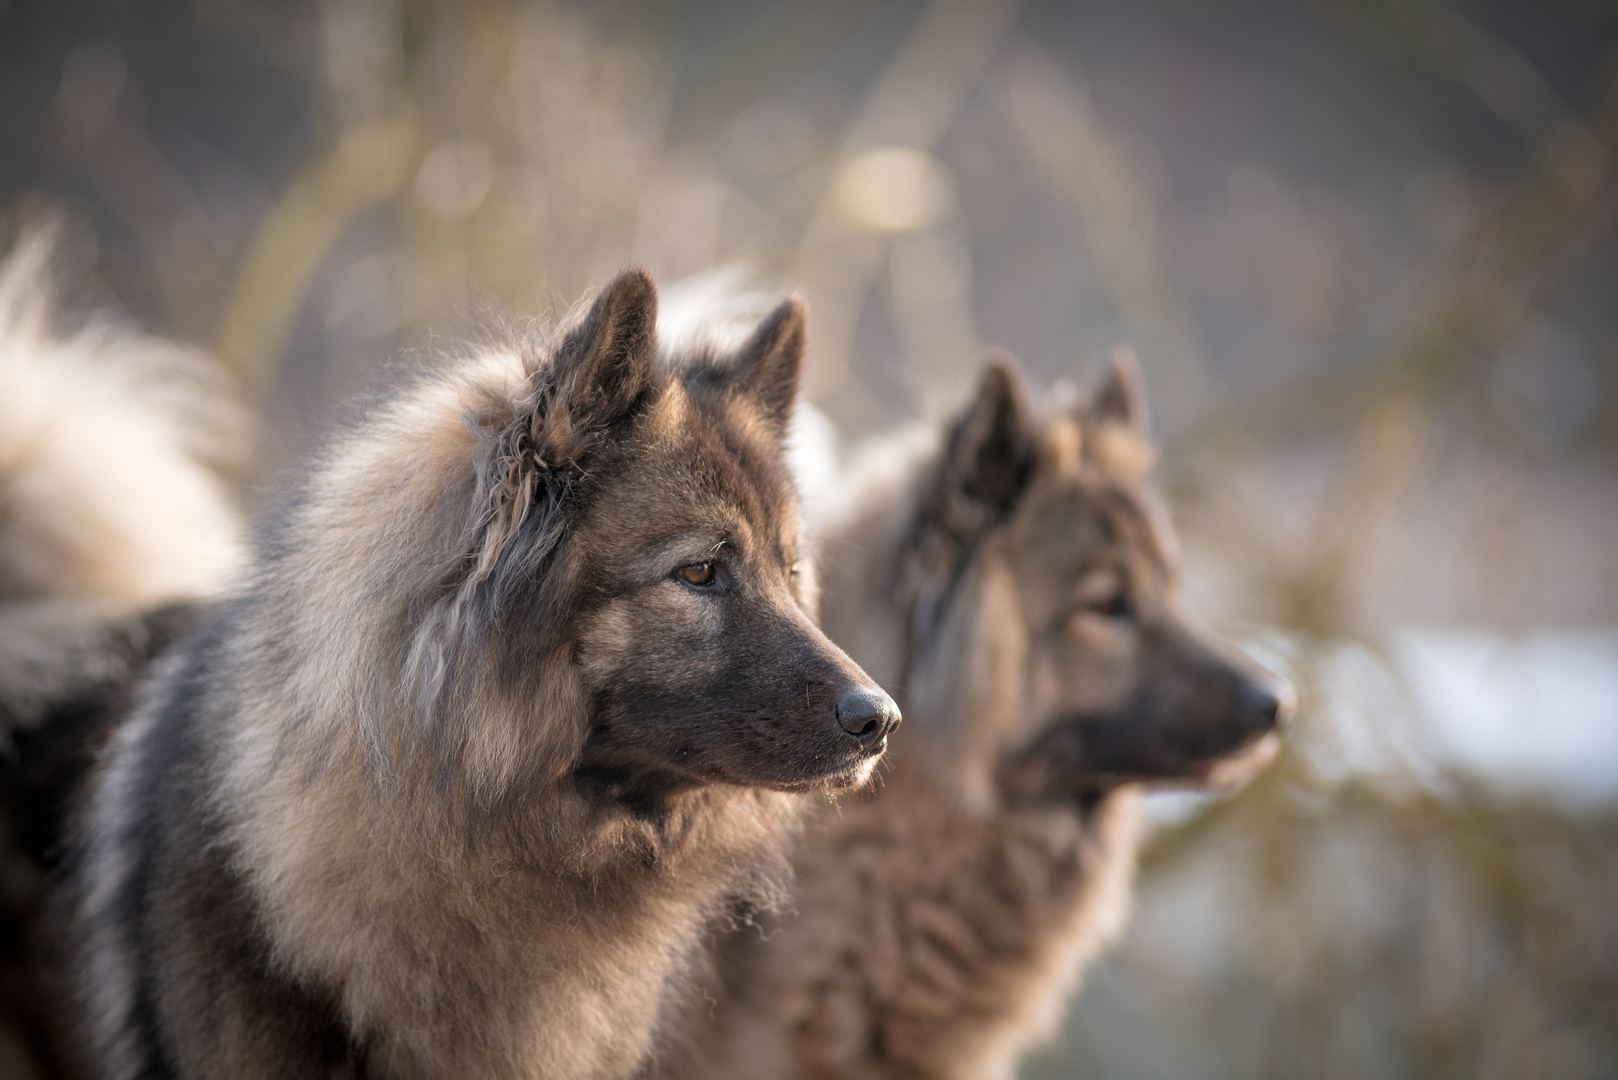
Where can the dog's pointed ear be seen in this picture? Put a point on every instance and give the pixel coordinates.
(604, 364)
(1121, 397)
(770, 365)
(597, 378)
(992, 447)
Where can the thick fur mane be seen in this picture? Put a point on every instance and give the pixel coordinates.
(481, 468)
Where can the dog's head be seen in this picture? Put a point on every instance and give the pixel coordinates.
(1048, 607)
(629, 605)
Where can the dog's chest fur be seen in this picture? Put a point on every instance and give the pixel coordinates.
(936, 945)
(478, 962)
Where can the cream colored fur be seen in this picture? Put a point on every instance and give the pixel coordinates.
(103, 492)
(108, 503)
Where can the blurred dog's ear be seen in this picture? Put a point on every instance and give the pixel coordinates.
(992, 447)
(1121, 397)
(770, 365)
(991, 453)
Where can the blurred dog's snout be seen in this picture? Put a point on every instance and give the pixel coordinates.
(867, 715)
(1269, 703)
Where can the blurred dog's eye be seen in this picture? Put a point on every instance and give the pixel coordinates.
(1113, 606)
(1105, 593)
(698, 574)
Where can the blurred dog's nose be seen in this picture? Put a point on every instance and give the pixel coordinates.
(1270, 704)
(868, 715)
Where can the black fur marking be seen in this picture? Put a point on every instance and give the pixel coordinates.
(183, 870)
(161, 756)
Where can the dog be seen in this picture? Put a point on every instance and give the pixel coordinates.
(114, 526)
(522, 682)
(1014, 580)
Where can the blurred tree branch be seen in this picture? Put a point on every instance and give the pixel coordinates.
(912, 106)
(369, 164)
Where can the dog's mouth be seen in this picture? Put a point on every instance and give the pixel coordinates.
(1078, 759)
(857, 775)
(824, 766)
(1237, 767)
(837, 776)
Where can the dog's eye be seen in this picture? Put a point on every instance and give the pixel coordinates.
(698, 574)
(1114, 605)
(794, 569)
(1105, 593)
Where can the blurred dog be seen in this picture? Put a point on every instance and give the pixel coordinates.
(520, 686)
(112, 522)
(1016, 585)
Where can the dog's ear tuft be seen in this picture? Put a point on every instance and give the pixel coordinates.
(992, 447)
(1121, 397)
(771, 363)
(1061, 447)
(604, 364)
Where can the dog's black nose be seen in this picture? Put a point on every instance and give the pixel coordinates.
(867, 714)
(1269, 704)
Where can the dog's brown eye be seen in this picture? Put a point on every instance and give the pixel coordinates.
(698, 574)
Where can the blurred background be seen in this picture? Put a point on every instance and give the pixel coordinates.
(1365, 251)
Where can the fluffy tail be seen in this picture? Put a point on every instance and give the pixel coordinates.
(108, 506)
